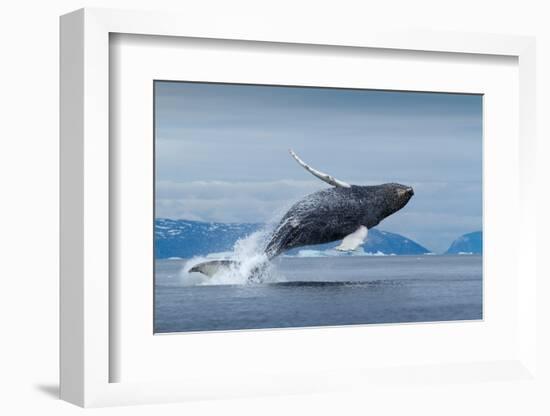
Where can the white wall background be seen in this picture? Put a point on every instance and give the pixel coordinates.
(29, 208)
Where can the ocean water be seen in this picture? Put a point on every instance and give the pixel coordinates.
(319, 291)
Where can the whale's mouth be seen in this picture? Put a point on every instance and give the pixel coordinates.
(404, 195)
(406, 192)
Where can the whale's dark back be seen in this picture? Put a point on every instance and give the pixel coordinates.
(331, 214)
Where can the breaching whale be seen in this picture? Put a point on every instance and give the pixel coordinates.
(343, 212)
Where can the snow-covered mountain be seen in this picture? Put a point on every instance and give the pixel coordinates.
(185, 239)
(471, 243)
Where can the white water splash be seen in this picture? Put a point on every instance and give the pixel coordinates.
(250, 264)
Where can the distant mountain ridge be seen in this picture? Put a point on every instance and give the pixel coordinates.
(185, 239)
(378, 242)
(471, 243)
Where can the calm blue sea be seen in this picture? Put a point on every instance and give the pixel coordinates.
(324, 291)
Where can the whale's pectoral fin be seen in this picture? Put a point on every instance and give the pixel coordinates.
(353, 240)
(331, 180)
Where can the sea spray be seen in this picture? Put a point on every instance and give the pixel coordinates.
(250, 264)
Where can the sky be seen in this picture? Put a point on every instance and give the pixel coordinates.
(221, 152)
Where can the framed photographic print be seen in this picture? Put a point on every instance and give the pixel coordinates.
(245, 240)
(275, 212)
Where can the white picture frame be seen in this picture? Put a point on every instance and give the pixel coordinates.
(86, 304)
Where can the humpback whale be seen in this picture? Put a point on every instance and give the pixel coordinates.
(343, 212)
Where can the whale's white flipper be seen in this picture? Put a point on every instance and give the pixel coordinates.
(331, 180)
(353, 240)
